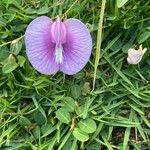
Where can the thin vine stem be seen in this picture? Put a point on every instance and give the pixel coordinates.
(9, 42)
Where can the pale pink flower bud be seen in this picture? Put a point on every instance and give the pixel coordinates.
(135, 56)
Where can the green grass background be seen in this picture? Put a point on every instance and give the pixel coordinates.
(39, 112)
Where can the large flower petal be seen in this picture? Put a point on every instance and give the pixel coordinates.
(39, 47)
(78, 46)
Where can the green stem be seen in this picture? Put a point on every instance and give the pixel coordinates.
(99, 41)
(65, 14)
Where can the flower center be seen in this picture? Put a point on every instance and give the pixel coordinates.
(59, 54)
(58, 31)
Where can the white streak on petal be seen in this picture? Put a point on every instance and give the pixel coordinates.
(59, 54)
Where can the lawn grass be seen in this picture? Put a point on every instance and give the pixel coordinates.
(39, 112)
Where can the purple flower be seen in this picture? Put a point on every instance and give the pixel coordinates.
(53, 46)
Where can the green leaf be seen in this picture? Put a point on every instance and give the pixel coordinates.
(137, 109)
(111, 43)
(36, 132)
(15, 47)
(80, 135)
(39, 118)
(69, 103)
(127, 131)
(94, 146)
(18, 28)
(87, 106)
(140, 128)
(86, 88)
(79, 75)
(4, 53)
(87, 125)
(21, 60)
(4, 103)
(63, 115)
(65, 138)
(11, 59)
(143, 36)
(8, 131)
(24, 121)
(71, 144)
(76, 91)
(119, 72)
(43, 10)
(2, 22)
(120, 3)
(47, 129)
(74, 145)
(52, 143)
(9, 67)
(30, 11)
(79, 111)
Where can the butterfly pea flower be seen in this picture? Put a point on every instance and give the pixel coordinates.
(58, 46)
(135, 56)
